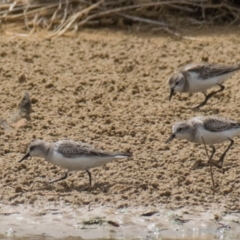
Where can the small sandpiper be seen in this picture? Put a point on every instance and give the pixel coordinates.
(199, 78)
(209, 129)
(71, 155)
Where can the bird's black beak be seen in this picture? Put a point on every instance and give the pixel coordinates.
(25, 157)
(171, 93)
(170, 138)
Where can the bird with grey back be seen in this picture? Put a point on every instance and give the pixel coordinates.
(195, 78)
(71, 155)
(210, 130)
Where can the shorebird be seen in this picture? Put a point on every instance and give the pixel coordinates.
(71, 155)
(195, 78)
(209, 129)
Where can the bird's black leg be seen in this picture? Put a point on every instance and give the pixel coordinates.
(90, 177)
(213, 93)
(210, 160)
(59, 179)
(220, 161)
(208, 96)
(202, 103)
(213, 152)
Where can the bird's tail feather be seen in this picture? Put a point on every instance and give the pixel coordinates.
(122, 155)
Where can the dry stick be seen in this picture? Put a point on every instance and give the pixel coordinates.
(172, 4)
(65, 12)
(210, 164)
(121, 9)
(163, 25)
(26, 18)
(40, 20)
(187, 9)
(52, 18)
(139, 19)
(63, 18)
(191, 3)
(12, 6)
(32, 11)
(16, 9)
(34, 24)
(172, 32)
(75, 17)
(145, 20)
(231, 23)
(236, 16)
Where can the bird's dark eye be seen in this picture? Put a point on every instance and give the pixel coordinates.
(177, 83)
(180, 129)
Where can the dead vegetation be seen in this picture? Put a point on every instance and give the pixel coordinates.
(60, 16)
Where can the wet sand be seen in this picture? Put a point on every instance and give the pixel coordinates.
(108, 88)
(67, 222)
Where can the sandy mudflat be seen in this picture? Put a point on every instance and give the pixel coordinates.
(108, 88)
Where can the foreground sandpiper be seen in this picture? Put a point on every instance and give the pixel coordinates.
(71, 155)
(209, 129)
(199, 78)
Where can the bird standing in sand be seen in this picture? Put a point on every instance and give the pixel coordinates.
(71, 155)
(199, 78)
(209, 130)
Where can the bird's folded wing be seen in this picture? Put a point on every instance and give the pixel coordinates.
(78, 149)
(211, 70)
(219, 124)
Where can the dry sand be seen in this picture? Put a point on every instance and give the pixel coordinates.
(108, 88)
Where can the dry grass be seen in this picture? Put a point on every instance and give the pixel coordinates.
(60, 16)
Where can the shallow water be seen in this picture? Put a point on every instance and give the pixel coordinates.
(66, 222)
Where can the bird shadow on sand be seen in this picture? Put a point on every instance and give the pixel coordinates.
(96, 187)
(202, 110)
(65, 186)
(200, 164)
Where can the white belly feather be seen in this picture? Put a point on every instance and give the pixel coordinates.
(200, 85)
(78, 163)
(216, 137)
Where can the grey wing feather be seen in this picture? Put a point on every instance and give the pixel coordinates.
(220, 124)
(78, 149)
(211, 70)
